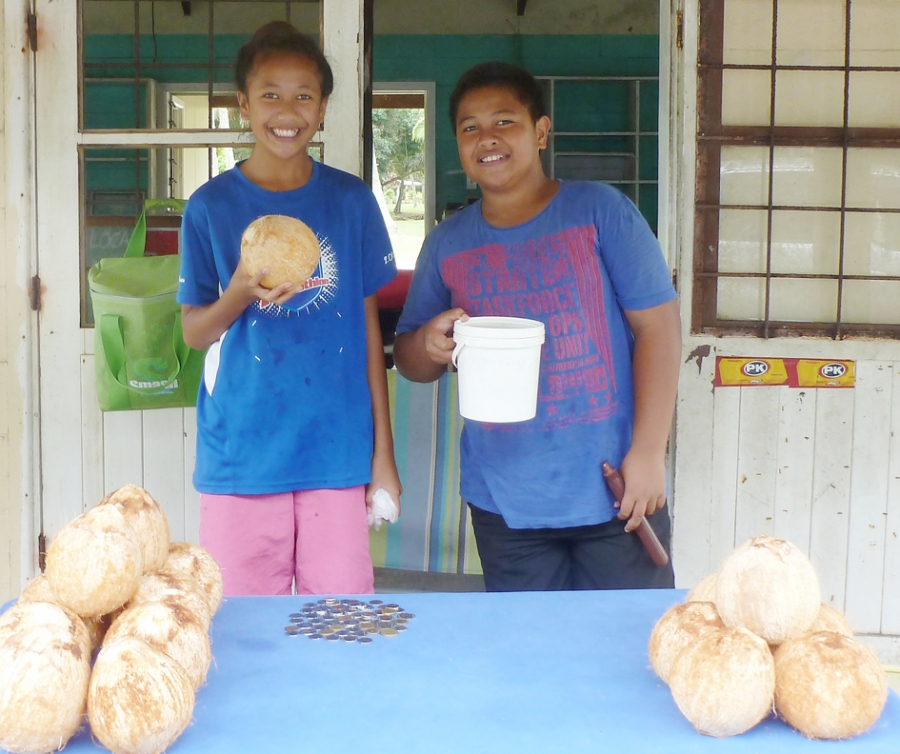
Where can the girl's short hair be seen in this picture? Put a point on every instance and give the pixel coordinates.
(279, 38)
(506, 76)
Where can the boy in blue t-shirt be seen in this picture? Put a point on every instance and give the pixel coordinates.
(579, 257)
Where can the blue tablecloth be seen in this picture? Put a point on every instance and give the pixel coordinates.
(556, 673)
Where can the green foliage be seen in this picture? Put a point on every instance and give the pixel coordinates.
(399, 140)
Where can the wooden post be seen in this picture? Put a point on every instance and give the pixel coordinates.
(342, 32)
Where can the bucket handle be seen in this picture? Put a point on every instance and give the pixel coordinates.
(457, 348)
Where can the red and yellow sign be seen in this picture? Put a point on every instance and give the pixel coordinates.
(822, 373)
(810, 373)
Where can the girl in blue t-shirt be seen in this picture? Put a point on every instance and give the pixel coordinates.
(293, 429)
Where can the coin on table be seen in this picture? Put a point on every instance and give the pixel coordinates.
(388, 631)
(406, 616)
(364, 640)
(291, 630)
(315, 635)
(372, 630)
(332, 637)
(364, 624)
(400, 626)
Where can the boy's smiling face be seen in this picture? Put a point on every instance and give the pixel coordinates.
(499, 142)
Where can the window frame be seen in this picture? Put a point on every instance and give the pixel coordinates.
(712, 136)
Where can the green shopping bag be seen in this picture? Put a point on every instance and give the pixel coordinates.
(141, 360)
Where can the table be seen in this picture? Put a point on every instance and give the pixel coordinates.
(476, 673)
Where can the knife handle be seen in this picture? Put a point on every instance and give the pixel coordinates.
(644, 531)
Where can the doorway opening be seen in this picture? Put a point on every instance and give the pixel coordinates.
(403, 169)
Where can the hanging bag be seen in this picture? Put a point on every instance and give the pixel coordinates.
(140, 356)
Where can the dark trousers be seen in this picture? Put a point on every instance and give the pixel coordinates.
(602, 556)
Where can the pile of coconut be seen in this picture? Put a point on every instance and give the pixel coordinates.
(117, 627)
(755, 637)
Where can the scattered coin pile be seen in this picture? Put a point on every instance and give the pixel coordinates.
(348, 620)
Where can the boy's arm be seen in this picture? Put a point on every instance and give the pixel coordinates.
(422, 355)
(656, 362)
(203, 325)
(384, 465)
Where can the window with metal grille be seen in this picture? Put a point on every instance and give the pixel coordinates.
(158, 114)
(605, 128)
(798, 173)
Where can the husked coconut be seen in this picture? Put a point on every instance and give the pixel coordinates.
(147, 519)
(38, 590)
(677, 629)
(724, 682)
(704, 590)
(768, 585)
(139, 699)
(44, 673)
(196, 562)
(173, 587)
(831, 619)
(828, 685)
(171, 628)
(94, 562)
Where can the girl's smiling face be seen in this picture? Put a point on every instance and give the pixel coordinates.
(283, 104)
(499, 142)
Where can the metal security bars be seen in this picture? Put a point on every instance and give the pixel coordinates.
(605, 128)
(797, 200)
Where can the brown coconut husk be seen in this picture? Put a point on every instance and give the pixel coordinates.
(704, 590)
(677, 629)
(172, 629)
(39, 590)
(768, 586)
(44, 672)
(724, 682)
(828, 685)
(139, 699)
(830, 618)
(173, 587)
(196, 562)
(94, 562)
(148, 520)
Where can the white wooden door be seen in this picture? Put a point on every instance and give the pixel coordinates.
(84, 453)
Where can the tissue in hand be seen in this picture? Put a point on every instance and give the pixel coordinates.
(383, 509)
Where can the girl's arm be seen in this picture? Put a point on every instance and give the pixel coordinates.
(384, 467)
(203, 325)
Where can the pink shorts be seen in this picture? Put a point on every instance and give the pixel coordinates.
(317, 540)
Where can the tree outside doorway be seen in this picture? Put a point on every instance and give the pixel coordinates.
(398, 135)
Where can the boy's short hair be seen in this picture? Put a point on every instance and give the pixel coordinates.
(506, 76)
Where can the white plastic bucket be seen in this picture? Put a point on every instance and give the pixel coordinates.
(499, 360)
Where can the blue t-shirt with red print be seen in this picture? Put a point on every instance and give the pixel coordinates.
(284, 404)
(577, 267)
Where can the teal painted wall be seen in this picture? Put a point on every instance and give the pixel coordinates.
(439, 58)
(443, 58)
